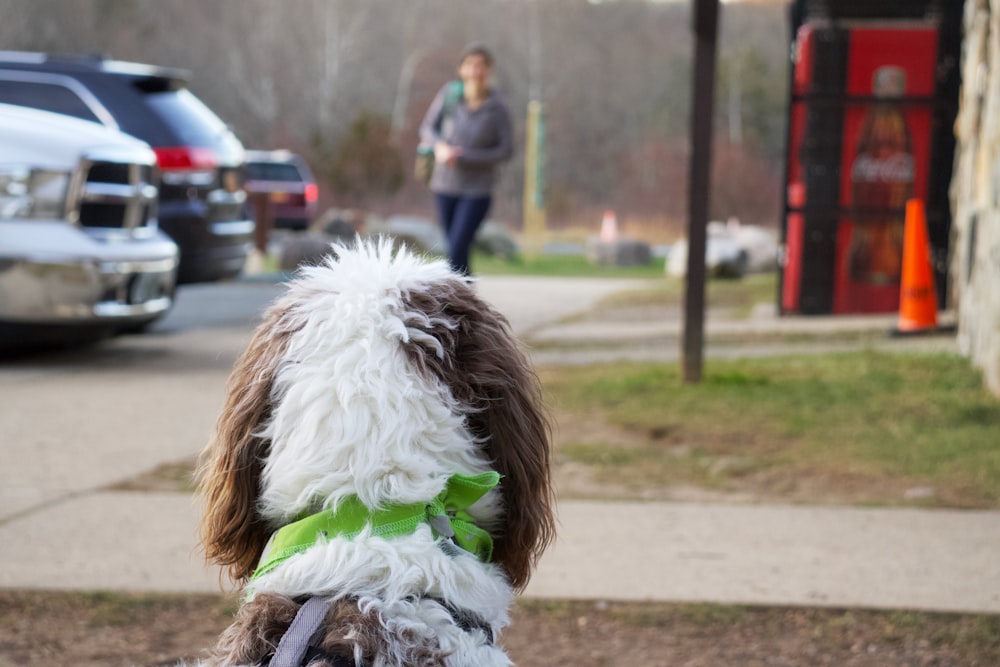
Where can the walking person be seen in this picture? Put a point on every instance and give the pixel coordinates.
(469, 127)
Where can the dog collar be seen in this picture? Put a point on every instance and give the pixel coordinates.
(446, 515)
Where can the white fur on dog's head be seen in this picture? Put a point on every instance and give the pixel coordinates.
(378, 374)
(350, 416)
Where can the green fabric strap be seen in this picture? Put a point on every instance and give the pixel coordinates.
(446, 514)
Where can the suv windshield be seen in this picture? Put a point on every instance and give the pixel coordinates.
(193, 122)
(272, 171)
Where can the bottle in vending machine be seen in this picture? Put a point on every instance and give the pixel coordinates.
(882, 177)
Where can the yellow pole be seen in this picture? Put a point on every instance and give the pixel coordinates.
(534, 199)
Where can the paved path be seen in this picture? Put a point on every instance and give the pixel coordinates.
(901, 559)
(70, 433)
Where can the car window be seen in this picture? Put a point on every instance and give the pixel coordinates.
(272, 171)
(45, 96)
(187, 116)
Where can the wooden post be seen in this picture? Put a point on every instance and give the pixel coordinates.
(263, 220)
(534, 196)
(706, 26)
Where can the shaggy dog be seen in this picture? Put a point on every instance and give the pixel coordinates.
(381, 450)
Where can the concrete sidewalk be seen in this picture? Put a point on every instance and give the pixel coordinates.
(811, 556)
(63, 526)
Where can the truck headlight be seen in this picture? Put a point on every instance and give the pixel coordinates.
(32, 193)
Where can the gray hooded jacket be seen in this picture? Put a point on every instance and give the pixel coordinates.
(484, 135)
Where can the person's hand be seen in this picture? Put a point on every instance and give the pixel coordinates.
(446, 153)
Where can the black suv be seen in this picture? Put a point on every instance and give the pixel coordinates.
(202, 201)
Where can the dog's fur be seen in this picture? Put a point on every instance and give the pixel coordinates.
(379, 374)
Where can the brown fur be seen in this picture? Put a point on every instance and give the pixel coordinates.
(485, 370)
(261, 623)
(233, 534)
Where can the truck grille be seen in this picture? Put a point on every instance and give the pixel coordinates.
(116, 195)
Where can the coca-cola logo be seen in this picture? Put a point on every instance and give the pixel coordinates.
(894, 168)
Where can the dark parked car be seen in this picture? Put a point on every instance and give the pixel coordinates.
(286, 180)
(202, 201)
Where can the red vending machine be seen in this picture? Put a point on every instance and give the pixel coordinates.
(869, 127)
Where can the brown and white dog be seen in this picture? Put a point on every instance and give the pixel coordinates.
(356, 460)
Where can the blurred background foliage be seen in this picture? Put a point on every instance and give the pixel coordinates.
(346, 82)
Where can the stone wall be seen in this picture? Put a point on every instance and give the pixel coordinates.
(975, 193)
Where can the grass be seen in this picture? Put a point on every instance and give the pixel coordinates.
(869, 416)
(564, 266)
(561, 266)
(664, 291)
(741, 296)
(652, 615)
(667, 290)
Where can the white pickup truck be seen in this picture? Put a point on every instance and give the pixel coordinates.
(80, 252)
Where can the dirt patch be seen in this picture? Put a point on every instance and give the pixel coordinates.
(172, 477)
(112, 630)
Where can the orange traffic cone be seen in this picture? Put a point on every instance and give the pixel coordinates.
(917, 295)
(609, 227)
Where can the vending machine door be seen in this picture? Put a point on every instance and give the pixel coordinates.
(885, 161)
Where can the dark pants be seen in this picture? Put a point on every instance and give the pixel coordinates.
(461, 217)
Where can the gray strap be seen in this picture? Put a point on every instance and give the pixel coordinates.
(442, 526)
(294, 644)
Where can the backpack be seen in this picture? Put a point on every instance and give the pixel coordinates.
(424, 166)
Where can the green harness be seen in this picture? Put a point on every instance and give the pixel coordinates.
(446, 514)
